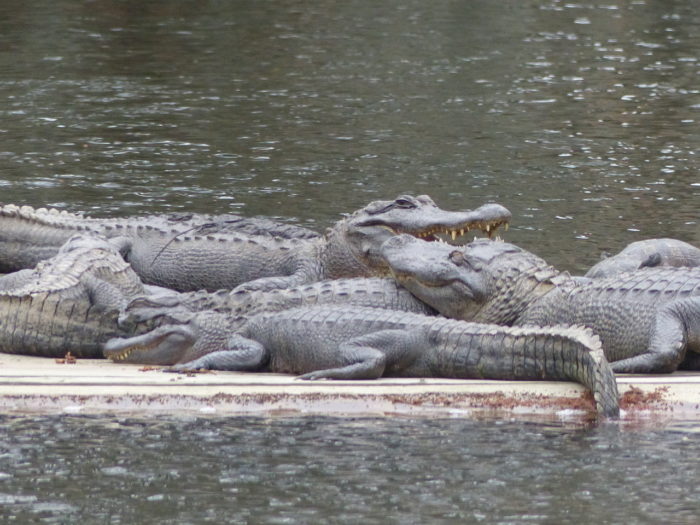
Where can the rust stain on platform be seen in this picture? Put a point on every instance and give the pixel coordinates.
(35, 385)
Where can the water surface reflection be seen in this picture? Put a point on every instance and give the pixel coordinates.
(581, 118)
(343, 470)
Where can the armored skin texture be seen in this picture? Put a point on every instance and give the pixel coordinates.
(373, 292)
(650, 253)
(344, 342)
(29, 235)
(182, 258)
(163, 317)
(68, 303)
(648, 320)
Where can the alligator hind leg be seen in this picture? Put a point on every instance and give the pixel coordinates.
(668, 341)
(103, 293)
(370, 365)
(370, 355)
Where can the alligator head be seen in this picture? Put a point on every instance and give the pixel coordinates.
(165, 345)
(359, 237)
(187, 336)
(486, 281)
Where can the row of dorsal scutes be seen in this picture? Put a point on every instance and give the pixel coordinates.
(177, 235)
(113, 227)
(73, 220)
(48, 216)
(63, 273)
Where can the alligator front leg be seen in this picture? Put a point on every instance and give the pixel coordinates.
(241, 355)
(304, 269)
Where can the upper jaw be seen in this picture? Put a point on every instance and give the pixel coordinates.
(432, 223)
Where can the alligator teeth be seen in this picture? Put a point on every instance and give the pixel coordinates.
(505, 226)
(122, 355)
(454, 235)
(488, 228)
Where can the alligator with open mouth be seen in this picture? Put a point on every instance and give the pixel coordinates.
(648, 320)
(161, 317)
(350, 342)
(180, 258)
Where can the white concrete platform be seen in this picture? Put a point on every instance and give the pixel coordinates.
(43, 385)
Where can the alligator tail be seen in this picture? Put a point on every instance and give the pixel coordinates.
(576, 353)
(47, 325)
(558, 353)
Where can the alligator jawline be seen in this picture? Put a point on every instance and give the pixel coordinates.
(447, 234)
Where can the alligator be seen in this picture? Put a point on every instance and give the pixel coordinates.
(183, 260)
(342, 342)
(30, 235)
(155, 310)
(159, 313)
(648, 253)
(68, 303)
(648, 320)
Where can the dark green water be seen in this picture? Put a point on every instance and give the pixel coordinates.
(582, 118)
(327, 470)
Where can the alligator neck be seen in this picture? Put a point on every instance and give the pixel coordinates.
(336, 257)
(515, 291)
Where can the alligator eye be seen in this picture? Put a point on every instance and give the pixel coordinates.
(404, 203)
(457, 257)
